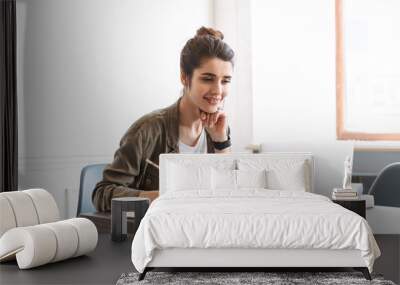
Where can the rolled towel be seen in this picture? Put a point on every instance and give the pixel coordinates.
(40, 244)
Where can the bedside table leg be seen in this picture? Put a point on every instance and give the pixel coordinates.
(143, 274)
(364, 271)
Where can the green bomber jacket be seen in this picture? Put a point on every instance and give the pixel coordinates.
(129, 173)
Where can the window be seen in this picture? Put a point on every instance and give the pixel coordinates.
(368, 69)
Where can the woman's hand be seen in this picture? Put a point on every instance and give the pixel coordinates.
(216, 125)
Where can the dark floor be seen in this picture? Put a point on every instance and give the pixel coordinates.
(110, 260)
(102, 266)
(389, 262)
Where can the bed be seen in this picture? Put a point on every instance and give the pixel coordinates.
(248, 210)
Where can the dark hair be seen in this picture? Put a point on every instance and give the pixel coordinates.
(207, 43)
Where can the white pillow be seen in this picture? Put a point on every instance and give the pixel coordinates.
(223, 179)
(183, 177)
(282, 174)
(290, 176)
(251, 178)
(223, 163)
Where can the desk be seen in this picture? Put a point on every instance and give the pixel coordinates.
(102, 221)
(104, 265)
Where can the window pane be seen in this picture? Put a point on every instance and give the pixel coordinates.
(371, 33)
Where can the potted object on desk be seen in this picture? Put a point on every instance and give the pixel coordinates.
(120, 209)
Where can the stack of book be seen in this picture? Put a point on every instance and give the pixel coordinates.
(344, 194)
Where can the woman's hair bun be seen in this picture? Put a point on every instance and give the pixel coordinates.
(203, 31)
(207, 43)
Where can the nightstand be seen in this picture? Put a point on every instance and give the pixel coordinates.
(357, 206)
(120, 207)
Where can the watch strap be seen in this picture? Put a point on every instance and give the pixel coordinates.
(222, 145)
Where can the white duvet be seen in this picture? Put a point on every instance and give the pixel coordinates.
(251, 218)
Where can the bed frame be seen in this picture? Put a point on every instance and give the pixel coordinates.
(248, 259)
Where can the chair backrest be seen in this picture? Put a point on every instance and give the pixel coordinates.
(90, 175)
(386, 187)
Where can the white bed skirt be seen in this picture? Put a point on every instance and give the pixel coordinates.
(193, 257)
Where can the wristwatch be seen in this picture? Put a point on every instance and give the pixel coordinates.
(222, 145)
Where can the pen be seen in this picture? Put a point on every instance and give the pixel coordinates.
(152, 163)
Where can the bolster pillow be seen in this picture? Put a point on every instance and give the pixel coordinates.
(40, 244)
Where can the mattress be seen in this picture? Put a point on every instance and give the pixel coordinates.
(252, 219)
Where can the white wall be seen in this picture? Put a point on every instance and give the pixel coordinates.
(87, 70)
(294, 99)
(233, 17)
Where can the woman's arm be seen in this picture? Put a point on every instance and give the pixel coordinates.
(122, 173)
(217, 126)
(226, 144)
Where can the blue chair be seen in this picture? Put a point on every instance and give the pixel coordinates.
(386, 187)
(90, 175)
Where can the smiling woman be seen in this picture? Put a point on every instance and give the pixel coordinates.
(195, 123)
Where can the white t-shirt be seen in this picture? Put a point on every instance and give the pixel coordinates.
(200, 147)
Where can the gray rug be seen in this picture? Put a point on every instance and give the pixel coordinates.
(229, 278)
